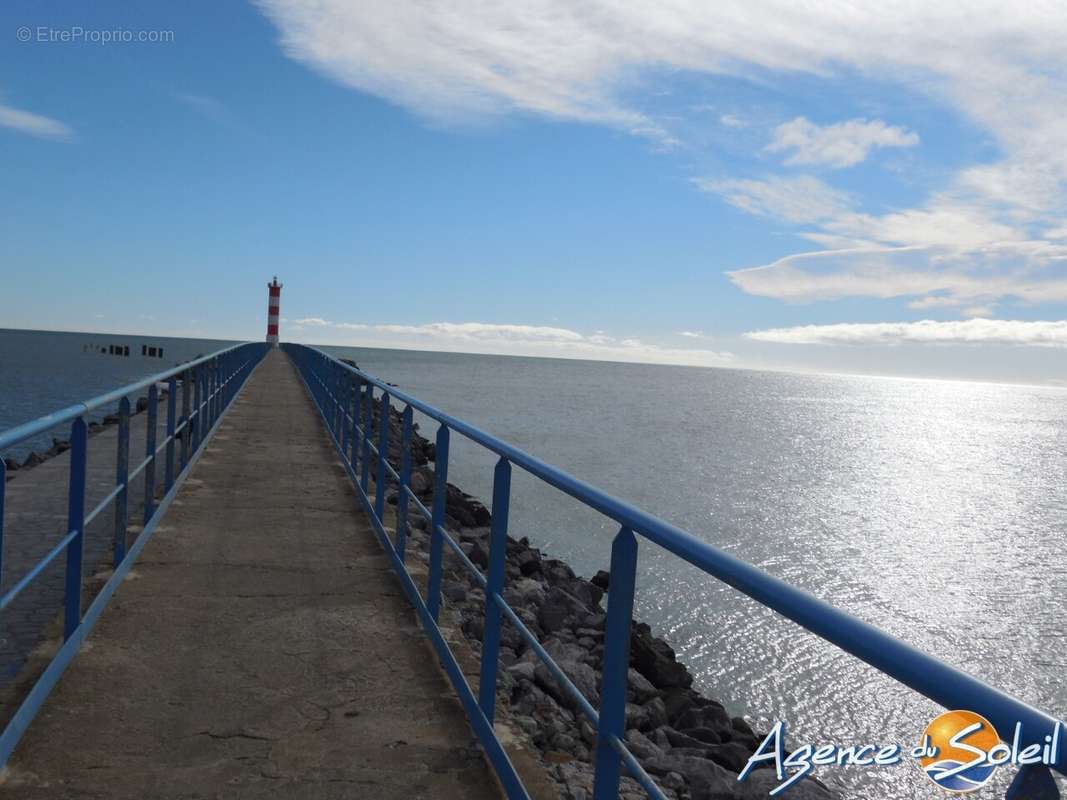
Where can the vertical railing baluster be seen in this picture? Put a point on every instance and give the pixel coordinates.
(194, 398)
(368, 430)
(1033, 782)
(498, 548)
(209, 396)
(201, 407)
(186, 422)
(227, 369)
(346, 400)
(335, 387)
(152, 418)
(3, 494)
(122, 471)
(172, 405)
(616, 663)
(440, 494)
(342, 409)
(79, 443)
(405, 482)
(218, 390)
(361, 430)
(353, 440)
(383, 458)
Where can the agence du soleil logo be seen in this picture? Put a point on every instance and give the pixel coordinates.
(959, 751)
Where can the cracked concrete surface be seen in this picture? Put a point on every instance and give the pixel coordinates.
(264, 650)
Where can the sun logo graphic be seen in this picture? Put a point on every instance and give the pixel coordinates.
(956, 748)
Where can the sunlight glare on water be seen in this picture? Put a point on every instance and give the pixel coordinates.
(932, 509)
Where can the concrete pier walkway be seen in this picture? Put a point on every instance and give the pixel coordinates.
(261, 648)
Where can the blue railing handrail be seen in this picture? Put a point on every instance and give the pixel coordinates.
(19, 433)
(906, 664)
(209, 385)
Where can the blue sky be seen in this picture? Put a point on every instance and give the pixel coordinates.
(736, 184)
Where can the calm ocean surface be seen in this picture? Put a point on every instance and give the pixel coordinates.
(44, 371)
(935, 510)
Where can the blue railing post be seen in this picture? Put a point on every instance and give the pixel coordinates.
(1033, 782)
(122, 471)
(335, 393)
(382, 480)
(198, 408)
(186, 422)
(172, 404)
(368, 419)
(205, 401)
(3, 494)
(216, 371)
(405, 483)
(616, 664)
(345, 389)
(79, 442)
(437, 521)
(498, 550)
(209, 398)
(353, 437)
(152, 418)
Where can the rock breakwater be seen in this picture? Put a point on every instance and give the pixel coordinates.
(691, 745)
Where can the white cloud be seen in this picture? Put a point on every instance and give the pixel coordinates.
(209, 108)
(691, 334)
(972, 331)
(505, 339)
(484, 331)
(939, 277)
(843, 144)
(34, 124)
(1005, 74)
(799, 199)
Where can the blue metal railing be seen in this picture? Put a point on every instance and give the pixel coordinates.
(208, 386)
(345, 398)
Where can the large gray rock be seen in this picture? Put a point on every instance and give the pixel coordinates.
(711, 716)
(655, 659)
(558, 608)
(641, 746)
(706, 779)
(639, 686)
(581, 675)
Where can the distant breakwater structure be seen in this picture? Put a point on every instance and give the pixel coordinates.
(689, 742)
(59, 446)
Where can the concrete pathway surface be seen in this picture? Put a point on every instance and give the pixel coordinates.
(261, 648)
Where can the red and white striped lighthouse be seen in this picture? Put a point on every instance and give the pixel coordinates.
(273, 301)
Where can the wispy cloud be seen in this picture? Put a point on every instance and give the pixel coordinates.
(209, 108)
(34, 124)
(972, 331)
(938, 277)
(801, 199)
(507, 339)
(954, 252)
(578, 60)
(843, 144)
